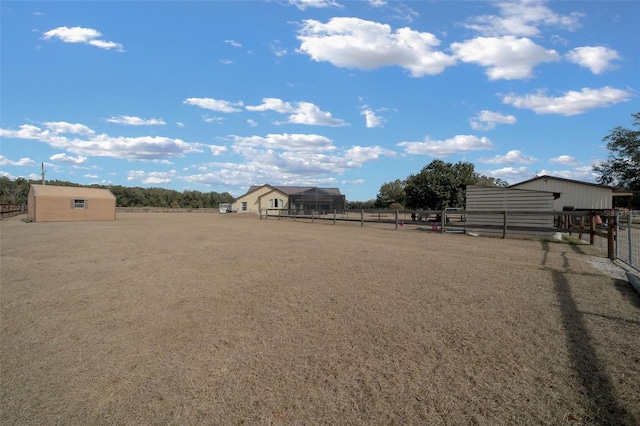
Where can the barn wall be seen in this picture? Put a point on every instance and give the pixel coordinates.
(49, 203)
(578, 195)
(484, 198)
(58, 209)
(31, 205)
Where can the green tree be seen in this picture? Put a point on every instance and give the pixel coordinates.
(440, 185)
(390, 193)
(361, 205)
(622, 168)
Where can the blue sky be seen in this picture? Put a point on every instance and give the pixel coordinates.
(221, 95)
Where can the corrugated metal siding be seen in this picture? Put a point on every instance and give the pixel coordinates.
(577, 195)
(484, 198)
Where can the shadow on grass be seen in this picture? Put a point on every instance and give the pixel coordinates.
(604, 409)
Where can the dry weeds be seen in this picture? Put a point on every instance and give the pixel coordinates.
(226, 319)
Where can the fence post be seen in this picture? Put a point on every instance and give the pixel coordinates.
(592, 227)
(396, 220)
(629, 238)
(279, 214)
(362, 218)
(504, 224)
(294, 215)
(611, 235)
(334, 216)
(313, 212)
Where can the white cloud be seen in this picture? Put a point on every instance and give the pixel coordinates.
(566, 160)
(215, 104)
(251, 122)
(103, 145)
(305, 4)
(363, 154)
(299, 112)
(377, 3)
(356, 43)
(584, 173)
(64, 127)
(511, 174)
(91, 176)
(454, 145)
(233, 43)
(273, 104)
(512, 157)
(487, 120)
(571, 103)
(128, 120)
(217, 149)
(372, 120)
(310, 114)
(215, 120)
(151, 178)
(82, 35)
(597, 58)
(286, 142)
(4, 161)
(522, 18)
(507, 58)
(64, 158)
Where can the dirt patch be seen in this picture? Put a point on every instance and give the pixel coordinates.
(226, 319)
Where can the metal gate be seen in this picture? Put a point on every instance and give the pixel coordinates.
(628, 238)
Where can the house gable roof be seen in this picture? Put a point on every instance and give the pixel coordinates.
(295, 190)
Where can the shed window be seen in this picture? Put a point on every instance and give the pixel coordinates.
(244, 206)
(79, 203)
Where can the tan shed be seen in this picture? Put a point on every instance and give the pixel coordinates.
(49, 203)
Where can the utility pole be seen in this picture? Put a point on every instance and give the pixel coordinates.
(43, 171)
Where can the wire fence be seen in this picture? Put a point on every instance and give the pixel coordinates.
(628, 238)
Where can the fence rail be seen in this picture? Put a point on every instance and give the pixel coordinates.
(582, 223)
(166, 210)
(8, 210)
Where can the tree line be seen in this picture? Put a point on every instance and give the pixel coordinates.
(16, 191)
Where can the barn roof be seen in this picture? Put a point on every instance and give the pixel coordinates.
(70, 191)
(543, 177)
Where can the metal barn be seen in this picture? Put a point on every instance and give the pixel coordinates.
(495, 199)
(49, 203)
(575, 195)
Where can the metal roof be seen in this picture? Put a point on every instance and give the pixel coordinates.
(70, 191)
(297, 190)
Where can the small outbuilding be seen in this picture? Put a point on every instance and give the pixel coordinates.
(575, 195)
(50, 203)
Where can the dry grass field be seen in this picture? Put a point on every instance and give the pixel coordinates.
(178, 318)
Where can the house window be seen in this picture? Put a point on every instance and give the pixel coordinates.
(271, 203)
(79, 203)
(244, 206)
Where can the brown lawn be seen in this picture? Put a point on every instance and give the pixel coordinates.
(178, 318)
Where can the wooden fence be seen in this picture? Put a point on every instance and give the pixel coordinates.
(165, 210)
(8, 210)
(581, 223)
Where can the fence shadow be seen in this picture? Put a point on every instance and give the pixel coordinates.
(602, 405)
